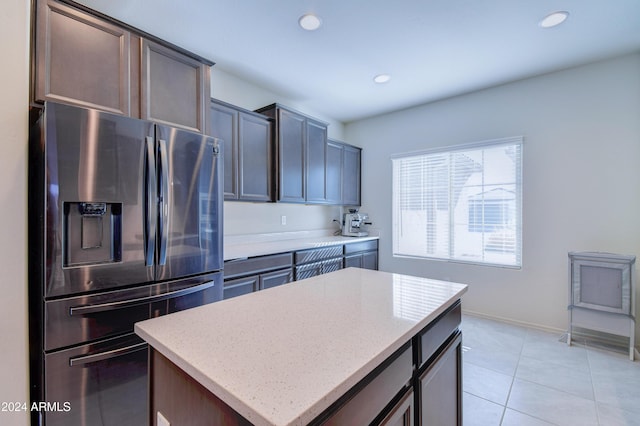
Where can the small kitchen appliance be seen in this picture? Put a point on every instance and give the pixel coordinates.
(353, 223)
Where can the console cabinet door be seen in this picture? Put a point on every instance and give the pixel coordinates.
(175, 88)
(81, 60)
(441, 388)
(255, 163)
(224, 125)
(291, 152)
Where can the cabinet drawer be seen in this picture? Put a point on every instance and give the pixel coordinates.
(276, 278)
(240, 286)
(363, 407)
(439, 331)
(315, 255)
(256, 265)
(361, 246)
(309, 270)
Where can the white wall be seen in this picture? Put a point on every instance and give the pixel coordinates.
(581, 178)
(14, 31)
(249, 218)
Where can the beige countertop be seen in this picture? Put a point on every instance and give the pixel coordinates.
(282, 355)
(242, 246)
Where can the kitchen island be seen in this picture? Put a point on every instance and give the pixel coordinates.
(353, 344)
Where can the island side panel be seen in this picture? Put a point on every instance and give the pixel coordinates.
(184, 401)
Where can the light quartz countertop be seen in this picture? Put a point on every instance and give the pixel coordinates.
(243, 246)
(281, 356)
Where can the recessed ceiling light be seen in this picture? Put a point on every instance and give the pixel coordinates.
(553, 19)
(382, 78)
(309, 22)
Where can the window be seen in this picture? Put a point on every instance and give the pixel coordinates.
(461, 204)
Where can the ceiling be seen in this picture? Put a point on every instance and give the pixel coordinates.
(433, 49)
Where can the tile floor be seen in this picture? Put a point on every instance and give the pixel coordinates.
(517, 376)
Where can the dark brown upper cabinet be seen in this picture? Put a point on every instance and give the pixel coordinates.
(248, 151)
(84, 58)
(343, 173)
(175, 88)
(351, 171)
(81, 59)
(298, 137)
(316, 163)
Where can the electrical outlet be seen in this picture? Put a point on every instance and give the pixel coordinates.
(161, 420)
(283, 220)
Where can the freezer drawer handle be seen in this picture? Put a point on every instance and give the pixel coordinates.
(101, 356)
(91, 309)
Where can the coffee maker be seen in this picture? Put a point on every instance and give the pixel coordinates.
(353, 224)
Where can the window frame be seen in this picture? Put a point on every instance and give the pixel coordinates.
(516, 141)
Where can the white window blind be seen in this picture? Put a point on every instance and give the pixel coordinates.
(461, 204)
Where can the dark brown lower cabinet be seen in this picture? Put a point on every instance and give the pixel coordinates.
(276, 278)
(361, 255)
(440, 387)
(256, 273)
(184, 401)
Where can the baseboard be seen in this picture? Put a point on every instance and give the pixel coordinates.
(515, 322)
(603, 338)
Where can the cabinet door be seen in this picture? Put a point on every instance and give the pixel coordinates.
(174, 88)
(291, 153)
(316, 162)
(402, 413)
(223, 121)
(351, 176)
(240, 286)
(370, 260)
(334, 172)
(308, 271)
(353, 261)
(255, 160)
(331, 265)
(441, 388)
(81, 60)
(276, 278)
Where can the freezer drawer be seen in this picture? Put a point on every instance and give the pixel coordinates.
(82, 319)
(100, 384)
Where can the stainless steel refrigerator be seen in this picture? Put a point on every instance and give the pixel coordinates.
(125, 225)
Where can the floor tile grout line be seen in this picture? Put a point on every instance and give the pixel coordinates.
(513, 377)
(593, 387)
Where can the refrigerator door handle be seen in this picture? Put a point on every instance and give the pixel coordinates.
(101, 356)
(152, 188)
(164, 202)
(102, 307)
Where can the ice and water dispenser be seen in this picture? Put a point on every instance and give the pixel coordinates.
(92, 233)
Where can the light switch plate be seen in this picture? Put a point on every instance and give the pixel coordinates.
(161, 420)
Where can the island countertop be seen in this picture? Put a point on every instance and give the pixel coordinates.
(283, 355)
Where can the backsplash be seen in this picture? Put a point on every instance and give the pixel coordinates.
(241, 218)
